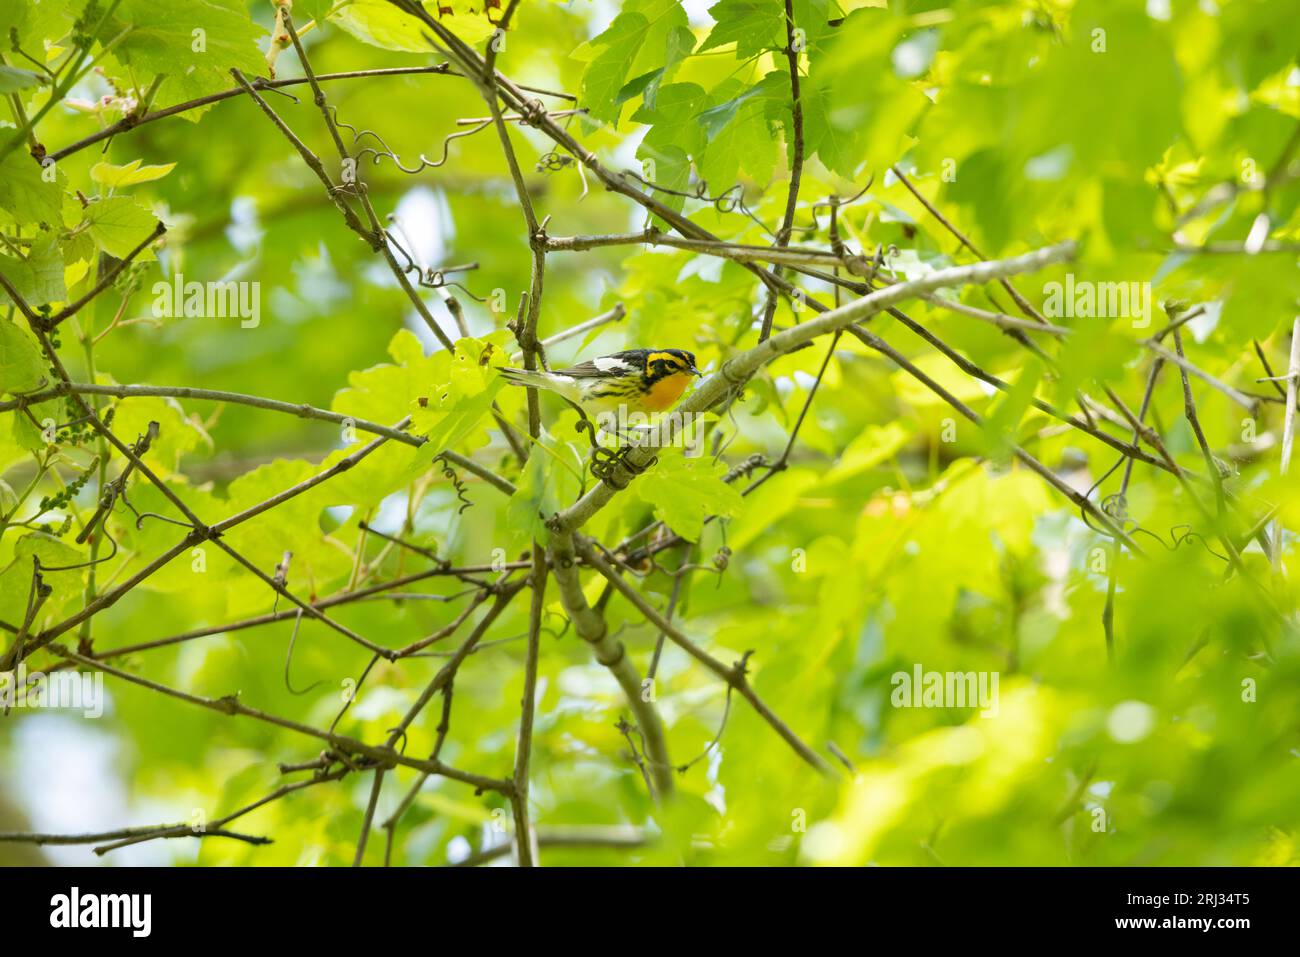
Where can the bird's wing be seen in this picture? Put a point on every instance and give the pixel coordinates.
(600, 367)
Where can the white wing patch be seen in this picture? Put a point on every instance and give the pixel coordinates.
(610, 364)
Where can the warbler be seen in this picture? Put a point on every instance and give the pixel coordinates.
(641, 380)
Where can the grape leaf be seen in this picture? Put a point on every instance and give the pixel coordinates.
(380, 24)
(120, 224)
(178, 434)
(13, 79)
(191, 44)
(130, 174)
(26, 195)
(550, 483)
(39, 277)
(22, 367)
(457, 404)
(684, 491)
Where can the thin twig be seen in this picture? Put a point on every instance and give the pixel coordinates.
(1288, 429)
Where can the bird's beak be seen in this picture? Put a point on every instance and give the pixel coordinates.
(695, 371)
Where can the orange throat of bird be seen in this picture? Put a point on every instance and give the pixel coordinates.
(664, 394)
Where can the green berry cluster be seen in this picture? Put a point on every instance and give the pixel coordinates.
(77, 431)
(82, 34)
(129, 279)
(50, 503)
(58, 531)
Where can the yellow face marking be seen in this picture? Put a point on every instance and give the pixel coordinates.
(671, 359)
(665, 393)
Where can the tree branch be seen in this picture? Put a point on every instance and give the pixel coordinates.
(733, 676)
(738, 369)
(609, 651)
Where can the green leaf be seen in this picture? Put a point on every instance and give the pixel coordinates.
(669, 167)
(551, 481)
(673, 114)
(838, 145)
(1091, 76)
(29, 193)
(684, 491)
(13, 79)
(812, 20)
(753, 25)
(116, 177)
(737, 131)
(636, 86)
(178, 434)
(999, 426)
(852, 116)
(674, 138)
(25, 433)
(381, 24)
(607, 72)
(768, 505)
(120, 224)
(51, 551)
(22, 367)
(876, 444)
(39, 277)
(384, 393)
(456, 407)
(307, 10)
(37, 22)
(983, 186)
(715, 118)
(293, 526)
(193, 44)
(647, 40)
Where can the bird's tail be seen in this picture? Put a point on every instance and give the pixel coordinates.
(526, 378)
